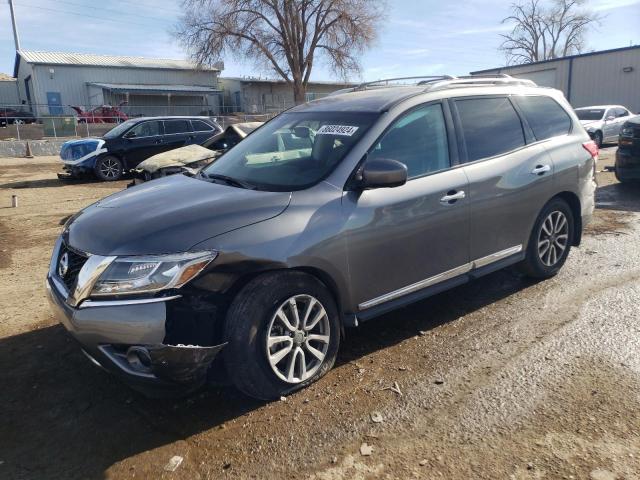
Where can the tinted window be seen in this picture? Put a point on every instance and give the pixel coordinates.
(490, 127)
(176, 126)
(147, 129)
(200, 126)
(546, 118)
(590, 113)
(418, 139)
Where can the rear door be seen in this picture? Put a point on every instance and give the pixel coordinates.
(401, 240)
(178, 133)
(510, 176)
(142, 141)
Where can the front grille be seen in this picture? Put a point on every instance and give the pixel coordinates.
(75, 261)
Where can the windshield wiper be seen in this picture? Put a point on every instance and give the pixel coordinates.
(234, 182)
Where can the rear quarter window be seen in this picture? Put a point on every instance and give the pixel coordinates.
(200, 126)
(545, 116)
(490, 126)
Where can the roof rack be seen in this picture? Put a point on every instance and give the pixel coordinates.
(495, 79)
(384, 82)
(433, 82)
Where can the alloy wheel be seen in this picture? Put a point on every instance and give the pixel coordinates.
(110, 168)
(298, 338)
(553, 238)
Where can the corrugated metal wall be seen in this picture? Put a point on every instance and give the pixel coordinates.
(600, 79)
(71, 81)
(595, 79)
(9, 93)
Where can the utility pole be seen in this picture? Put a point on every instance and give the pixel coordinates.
(16, 39)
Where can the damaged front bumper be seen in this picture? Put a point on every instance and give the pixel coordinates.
(129, 339)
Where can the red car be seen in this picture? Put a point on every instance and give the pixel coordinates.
(103, 114)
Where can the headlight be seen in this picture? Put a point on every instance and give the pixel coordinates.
(591, 129)
(627, 132)
(148, 274)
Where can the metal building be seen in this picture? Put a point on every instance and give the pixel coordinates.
(258, 95)
(596, 78)
(49, 82)
(8, 90)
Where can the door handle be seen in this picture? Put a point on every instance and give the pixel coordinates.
(541, 170)
(452, 197)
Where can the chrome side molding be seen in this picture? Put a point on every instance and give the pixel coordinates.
(441, 277)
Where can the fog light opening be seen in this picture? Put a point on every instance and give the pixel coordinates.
(139, 359)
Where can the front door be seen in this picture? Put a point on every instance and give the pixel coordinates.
(509, 182)
(403, 239)
(143, 141)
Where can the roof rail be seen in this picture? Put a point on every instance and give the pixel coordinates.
(495, 79)
(385, 81)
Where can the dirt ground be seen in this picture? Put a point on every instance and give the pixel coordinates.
(499, 378)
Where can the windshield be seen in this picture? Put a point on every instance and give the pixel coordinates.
(590, 113)
(293, 151)
(119, 129)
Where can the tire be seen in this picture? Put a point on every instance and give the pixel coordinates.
(620, 178)
(109, 168)
(597, 137)
(252, 319)
(539, 262)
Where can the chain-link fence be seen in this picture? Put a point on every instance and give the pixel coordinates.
(17, 122)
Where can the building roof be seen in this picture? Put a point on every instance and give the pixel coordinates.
(87, 59)
(6, 78)
(140, 88)
(568, 57)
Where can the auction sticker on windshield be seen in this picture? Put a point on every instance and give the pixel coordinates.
(345, 130)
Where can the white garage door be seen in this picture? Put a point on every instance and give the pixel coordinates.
(544, 78)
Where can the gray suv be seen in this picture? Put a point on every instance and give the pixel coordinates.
(375, 198)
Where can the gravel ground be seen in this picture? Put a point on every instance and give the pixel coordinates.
(499, 378)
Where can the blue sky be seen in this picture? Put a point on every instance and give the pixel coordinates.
(418, 37)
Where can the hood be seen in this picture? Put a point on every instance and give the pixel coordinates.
(169, 215)
(177, 158)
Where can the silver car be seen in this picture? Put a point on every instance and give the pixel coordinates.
(603, 122)
(375, 198)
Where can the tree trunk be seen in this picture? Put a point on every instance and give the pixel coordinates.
(299, 91)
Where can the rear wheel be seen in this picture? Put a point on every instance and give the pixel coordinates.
(283, 333)
(550, 240)
(109, 168)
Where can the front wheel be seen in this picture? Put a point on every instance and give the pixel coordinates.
(109, 168)
(597, 138)
(550, 240)
(283, 333)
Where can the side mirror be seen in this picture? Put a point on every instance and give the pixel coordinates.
(302, 132)
(610, 118)
(130, 134)
(383, 173)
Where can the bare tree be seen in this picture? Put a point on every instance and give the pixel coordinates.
(545, 32)
(285, 35)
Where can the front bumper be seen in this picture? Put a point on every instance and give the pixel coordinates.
(77, 170)
(129, 337)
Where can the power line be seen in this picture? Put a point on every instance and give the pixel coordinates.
(67, 12)
(117, 12)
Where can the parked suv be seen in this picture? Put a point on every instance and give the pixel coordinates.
(603, 122)
(627, 166)
(382, 197)
(128, 144)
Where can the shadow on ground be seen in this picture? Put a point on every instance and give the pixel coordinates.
(619, 196)
(64, 418)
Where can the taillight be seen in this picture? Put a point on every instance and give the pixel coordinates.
(592, 148)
